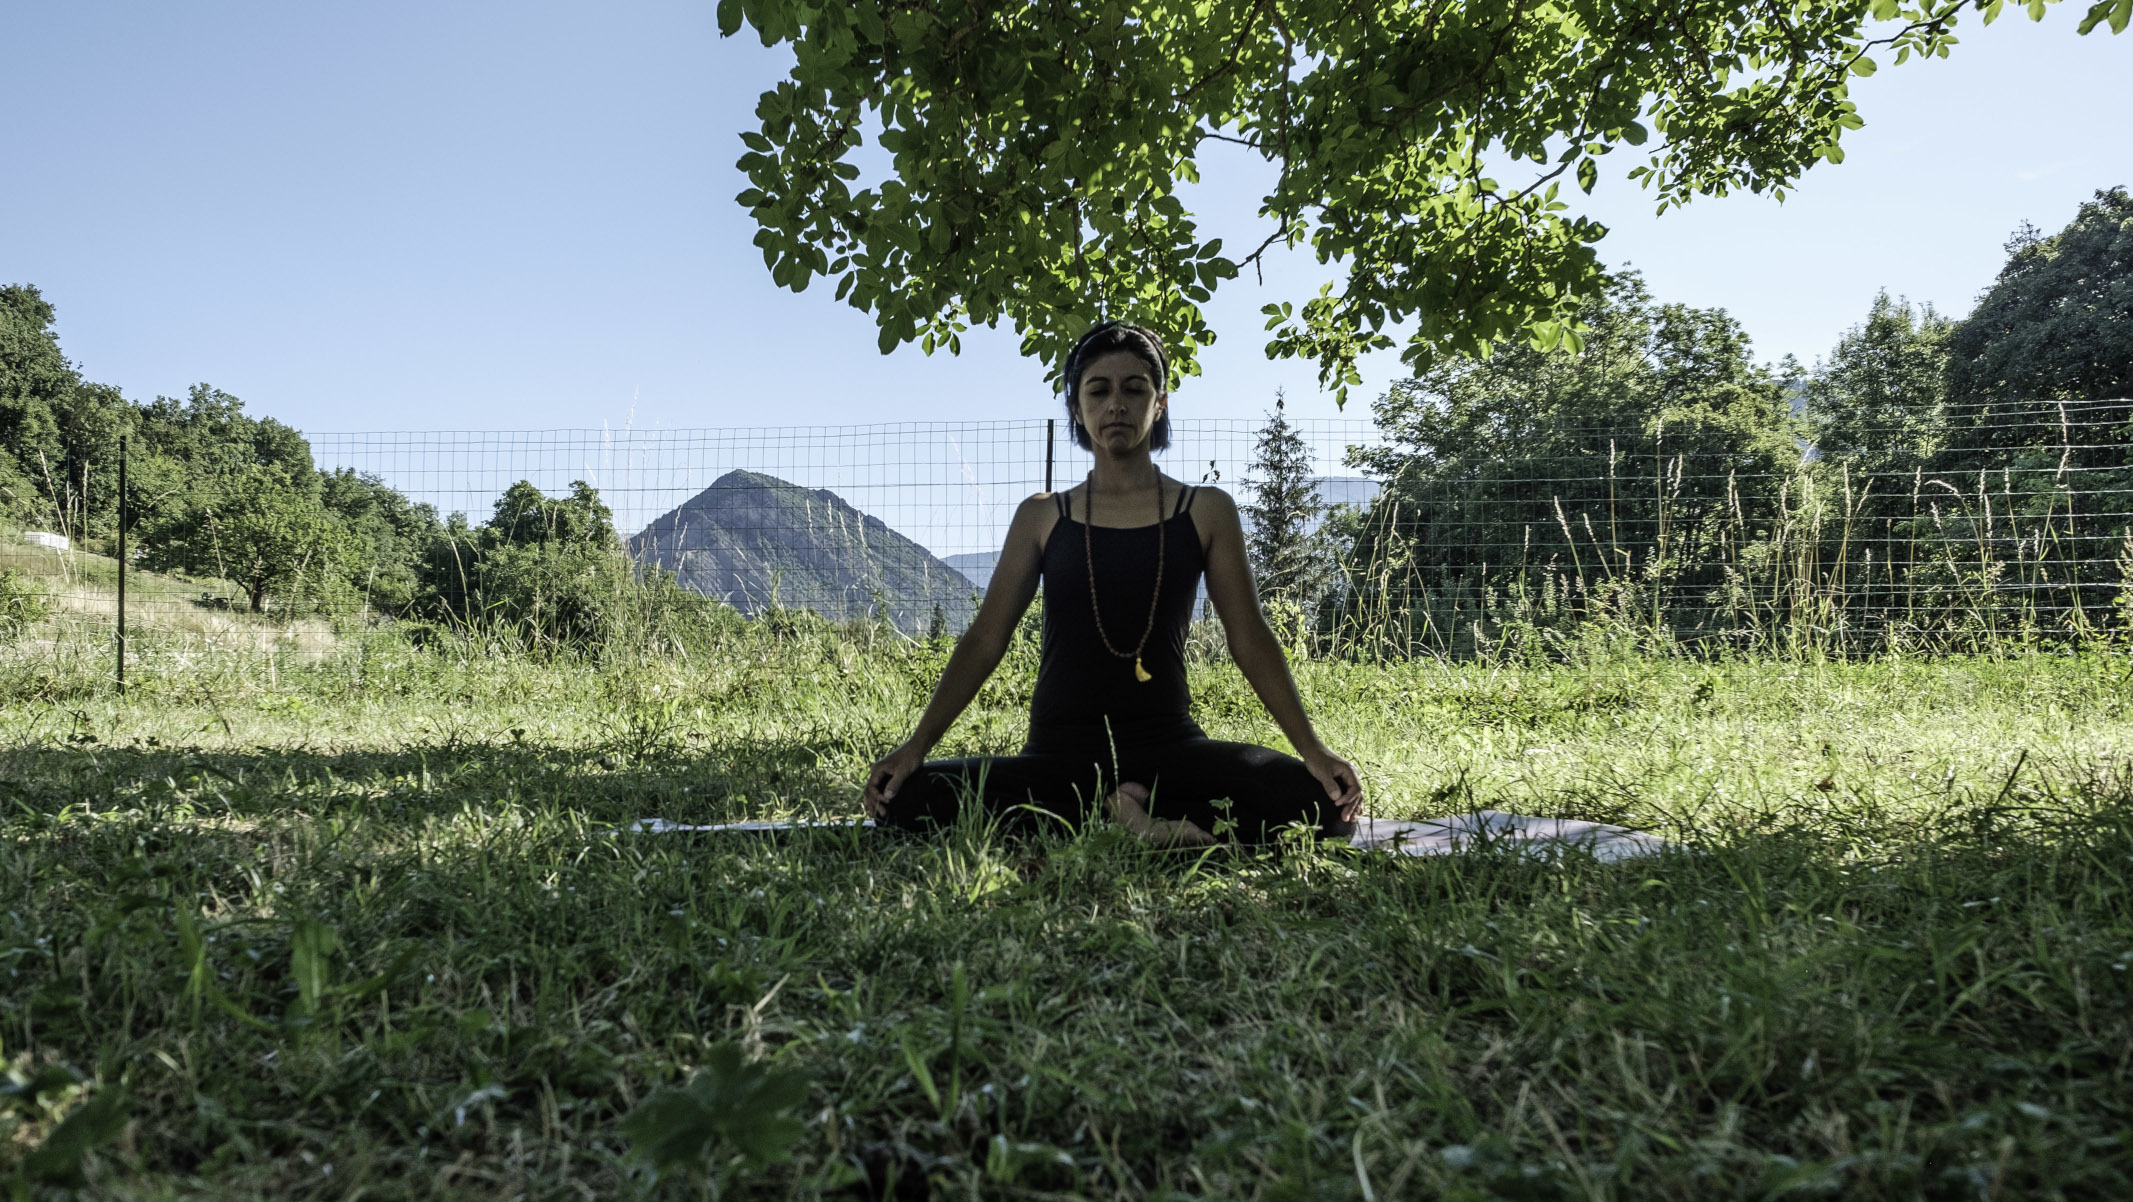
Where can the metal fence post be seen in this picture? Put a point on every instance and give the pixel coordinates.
(121, 565)
(1051, 425)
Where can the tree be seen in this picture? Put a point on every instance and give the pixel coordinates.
(35, 379)
(551, 571)
(387, 536)
(1036, 151)
(2036, 456)
(525, 516)
(2058, 322)
(1640, 464)
(1283, 515)
(217, 492)
(1876, 407)
(59, 435)
(261, 529)
(2055, 328)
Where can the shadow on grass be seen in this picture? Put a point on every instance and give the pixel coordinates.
(728, 783)
(430, 957)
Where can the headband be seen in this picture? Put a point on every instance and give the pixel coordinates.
(1074, 357)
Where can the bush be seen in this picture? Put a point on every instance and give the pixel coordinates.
(23, 604)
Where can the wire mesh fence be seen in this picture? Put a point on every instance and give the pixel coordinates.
(1866, 531)
(1963, 526)
(901, 522)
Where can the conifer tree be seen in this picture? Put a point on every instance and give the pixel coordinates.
(1284, 514)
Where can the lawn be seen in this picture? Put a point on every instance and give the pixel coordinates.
(367, 925)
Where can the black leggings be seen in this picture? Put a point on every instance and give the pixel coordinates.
(1204, 781)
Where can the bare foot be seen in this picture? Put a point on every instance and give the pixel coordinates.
(1128, 805)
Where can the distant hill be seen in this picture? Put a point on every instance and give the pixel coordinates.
(1347, 490)
(755, 540)
(976, 566)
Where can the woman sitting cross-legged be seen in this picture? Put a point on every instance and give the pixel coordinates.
(1121, 556)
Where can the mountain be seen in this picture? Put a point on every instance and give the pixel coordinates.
(1347, 490)
(755, 541)
(976, 566)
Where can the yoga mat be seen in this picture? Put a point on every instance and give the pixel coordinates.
(1495, 828)
(1397, 836)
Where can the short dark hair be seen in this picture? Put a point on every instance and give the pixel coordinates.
(1100, 341)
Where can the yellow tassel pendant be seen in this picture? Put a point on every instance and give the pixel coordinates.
(1140, 673)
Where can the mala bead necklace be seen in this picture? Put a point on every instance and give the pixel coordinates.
(1087, 539)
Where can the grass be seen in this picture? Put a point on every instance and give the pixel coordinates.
(367, 927)
(167, 616)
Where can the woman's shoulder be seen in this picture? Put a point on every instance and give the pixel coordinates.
(1038, 504)
(1039, 511)
(1214, 497)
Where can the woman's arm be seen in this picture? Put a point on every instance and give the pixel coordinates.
(1258, 653)
(977, 653)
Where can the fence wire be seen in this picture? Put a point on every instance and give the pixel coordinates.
(1430, 536)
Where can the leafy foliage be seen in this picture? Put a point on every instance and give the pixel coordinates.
(23, 604)
(550, 572)
(258, 527)
(1877, 406)
(56, 430)
(1288, 560)
(386, 536)
(2055, 327)
(732, 1113)
(1037, 152)
(1614, 468)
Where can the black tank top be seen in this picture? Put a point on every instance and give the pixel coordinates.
(1080, 684)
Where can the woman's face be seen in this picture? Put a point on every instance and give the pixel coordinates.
(1118, 401)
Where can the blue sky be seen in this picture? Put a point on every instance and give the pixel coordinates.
(398, 216)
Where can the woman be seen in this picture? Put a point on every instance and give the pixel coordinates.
(1111, 718)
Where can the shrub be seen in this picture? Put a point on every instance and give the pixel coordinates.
(23, 604)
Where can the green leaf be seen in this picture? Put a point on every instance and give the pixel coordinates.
(2117, 12)
(311, 946)
(867, 15)
(923, 1075)
(1588, 174)
(729, 18)
(94, 1123)
(729, 1109)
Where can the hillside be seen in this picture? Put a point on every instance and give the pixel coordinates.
(164, 613)
(756, 541)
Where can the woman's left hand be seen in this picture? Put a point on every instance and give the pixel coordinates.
(1339, 777)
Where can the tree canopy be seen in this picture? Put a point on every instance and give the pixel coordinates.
(2057, 325)
(1631, 470)
(1037, 151)
(1876, 405)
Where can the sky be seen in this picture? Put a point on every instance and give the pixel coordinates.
(492, 216)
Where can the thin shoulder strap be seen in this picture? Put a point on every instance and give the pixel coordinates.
(1060, 499)
(1185, 496)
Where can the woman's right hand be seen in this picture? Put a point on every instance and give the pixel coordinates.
(888, 775)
